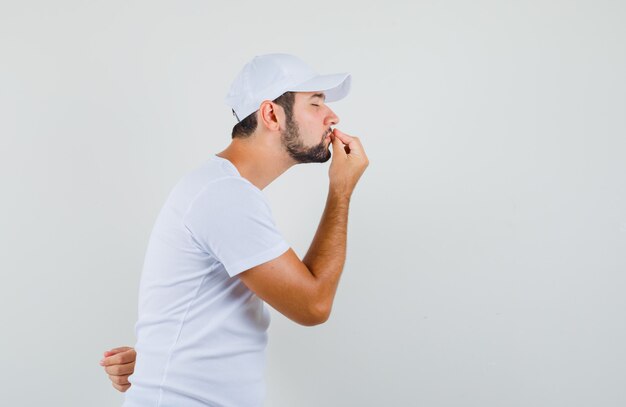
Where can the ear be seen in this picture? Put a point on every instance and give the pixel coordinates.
(270, 115)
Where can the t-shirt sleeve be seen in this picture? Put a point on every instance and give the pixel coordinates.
(232, 220)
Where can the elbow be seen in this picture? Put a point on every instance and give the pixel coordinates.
(317, 314)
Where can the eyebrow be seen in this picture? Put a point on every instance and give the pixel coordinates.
(318, 95)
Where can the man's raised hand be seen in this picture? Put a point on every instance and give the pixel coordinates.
(348, 163)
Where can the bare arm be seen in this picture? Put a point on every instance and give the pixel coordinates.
(327, 254)
(304, 290)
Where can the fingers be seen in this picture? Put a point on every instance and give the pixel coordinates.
(120, 380)
(119, 363)
(338, 146)
(121, 387)
(120, 370)
(342, 136)
(127, 356)
(353, 144)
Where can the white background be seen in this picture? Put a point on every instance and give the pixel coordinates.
(486, 256)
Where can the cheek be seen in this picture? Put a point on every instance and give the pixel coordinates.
(312, 122)
(308, 131)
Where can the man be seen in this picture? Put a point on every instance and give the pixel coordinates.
(215, 255)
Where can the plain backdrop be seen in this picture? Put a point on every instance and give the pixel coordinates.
(487, 239)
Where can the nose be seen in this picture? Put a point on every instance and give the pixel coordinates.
(332, 119)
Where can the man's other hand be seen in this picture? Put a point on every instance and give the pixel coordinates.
(119, 364)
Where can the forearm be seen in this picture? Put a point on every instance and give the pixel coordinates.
(304, 290)
(327, 254)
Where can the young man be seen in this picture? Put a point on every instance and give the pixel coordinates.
(215, 255)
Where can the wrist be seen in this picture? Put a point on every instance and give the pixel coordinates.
(339, 195)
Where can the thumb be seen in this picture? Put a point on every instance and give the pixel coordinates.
(342, 136)
(338, 146)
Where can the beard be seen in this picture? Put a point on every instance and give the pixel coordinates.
(291, 140)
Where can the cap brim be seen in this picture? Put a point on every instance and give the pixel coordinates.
(334, 86)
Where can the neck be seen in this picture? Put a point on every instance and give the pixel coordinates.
(258, 159)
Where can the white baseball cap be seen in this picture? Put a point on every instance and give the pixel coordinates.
(266, 77)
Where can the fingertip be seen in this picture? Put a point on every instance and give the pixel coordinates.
(343, 136)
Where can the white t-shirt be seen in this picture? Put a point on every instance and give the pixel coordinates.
(201, 333)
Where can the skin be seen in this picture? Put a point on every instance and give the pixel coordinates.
(292, 139)
(119, 364)
(303, 290)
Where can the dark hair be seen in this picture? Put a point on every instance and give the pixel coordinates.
(247, 126)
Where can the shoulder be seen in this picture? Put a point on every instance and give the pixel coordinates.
(228, 196)
(231, 188)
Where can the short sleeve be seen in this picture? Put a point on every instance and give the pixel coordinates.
(231, 219)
